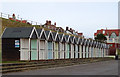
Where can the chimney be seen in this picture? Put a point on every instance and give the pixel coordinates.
(55, 24)
(70, 29)
(67, 28)
(46, 22)
(49, 22)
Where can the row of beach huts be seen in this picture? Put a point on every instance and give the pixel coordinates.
(29, 43)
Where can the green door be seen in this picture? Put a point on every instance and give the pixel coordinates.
(34, 55)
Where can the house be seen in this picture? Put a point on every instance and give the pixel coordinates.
(113, 38)
(19, 43)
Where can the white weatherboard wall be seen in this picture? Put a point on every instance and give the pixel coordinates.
(86, 51)
(62, 50)
(42, 50)
(24, 49)
(90, 52)
(76, 51)
(83, 51)
(72, 51)
(80, 51)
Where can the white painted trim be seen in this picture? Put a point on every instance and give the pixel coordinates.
(33, 31)
(68, 39)
(3, 33)
(49, 35)
(41, 34)
(62, 37)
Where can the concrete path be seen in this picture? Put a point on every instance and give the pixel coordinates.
(98, 68)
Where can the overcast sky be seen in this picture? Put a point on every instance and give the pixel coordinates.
(82, 15)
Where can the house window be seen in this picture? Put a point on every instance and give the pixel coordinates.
(110, 45)
(113, 35)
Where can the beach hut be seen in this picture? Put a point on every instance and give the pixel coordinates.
(94, 49)
(34, 44)
(87, 48)
(56, 45)
(61, 44)
(72, 46)
(42, 44)
(97, 49)
(17, 44)
(76, 39)
(63, 47)
(80, 48)
(101, 50)
(90, 48)
(49, 46)
(67, 45)
(84, 48)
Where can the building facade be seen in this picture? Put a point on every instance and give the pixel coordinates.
(113, 38)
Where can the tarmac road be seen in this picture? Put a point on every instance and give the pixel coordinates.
(97, 68)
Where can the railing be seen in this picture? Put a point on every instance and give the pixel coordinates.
(19, 19)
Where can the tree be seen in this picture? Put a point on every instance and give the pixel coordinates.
(100, 37)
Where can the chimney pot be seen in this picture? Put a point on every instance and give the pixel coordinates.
(55, 23)
(67, 28)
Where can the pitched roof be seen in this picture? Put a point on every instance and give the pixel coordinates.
(60, 35)
(54, 34)
(76, 40)
(80, 41)
(71, 39)
(64, 39)
(47, 33)
(67, 37)
(39, 31)
(17, 32)
(108, 31)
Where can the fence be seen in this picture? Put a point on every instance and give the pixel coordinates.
(8, 16)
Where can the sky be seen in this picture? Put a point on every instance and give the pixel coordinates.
(86, 16)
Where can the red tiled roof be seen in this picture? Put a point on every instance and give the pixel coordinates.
(108, 31)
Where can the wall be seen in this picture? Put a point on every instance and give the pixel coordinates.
(9, 52)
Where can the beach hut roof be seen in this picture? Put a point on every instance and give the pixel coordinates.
(76, 40)
(71, 39)
(54, 34)
(42, 34)
(60, 36)
(39, 31)
(19, 32)
(67, 37)
(63, 39)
